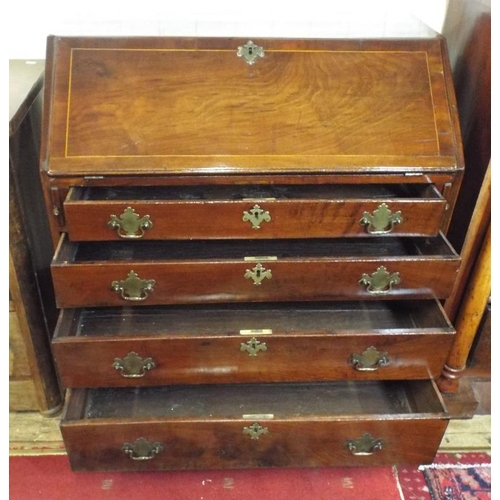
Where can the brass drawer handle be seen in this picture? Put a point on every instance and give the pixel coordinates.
(381, 221)
(129, 225)
(256, 216)
(258, 273)
(133, 288)
(380, 282)
(142, 449)
(253, 347)
(369, 361)
(255, 431)
(133, 366)
(365, 445)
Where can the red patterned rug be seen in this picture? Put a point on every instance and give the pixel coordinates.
(48, 477)
(452, 476)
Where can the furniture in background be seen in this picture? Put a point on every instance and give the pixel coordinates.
(33, 383)
(468, 31)
(469, 298)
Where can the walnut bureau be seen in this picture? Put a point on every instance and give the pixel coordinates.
(251, 249)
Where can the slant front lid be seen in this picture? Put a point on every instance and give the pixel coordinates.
(159, 105)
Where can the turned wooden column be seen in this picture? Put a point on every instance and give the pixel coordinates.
(468, 318)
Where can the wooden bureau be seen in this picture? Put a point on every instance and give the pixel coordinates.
(251, 251)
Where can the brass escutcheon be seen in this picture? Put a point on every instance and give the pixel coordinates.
(256, 216)
(130, 225)
(142, 449)
(258, 273)
(133, 288)
(365, 445)
(133, 366)
(250, 52)
(369, 361)
(253, 347)
(380, 282)
(255, 430)
(382, 221)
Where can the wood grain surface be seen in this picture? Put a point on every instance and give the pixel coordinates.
(214, 271)
(185, 105)
(218, 212)
(205, 427)
(194, 345)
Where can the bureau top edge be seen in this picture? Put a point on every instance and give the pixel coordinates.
(155, 105)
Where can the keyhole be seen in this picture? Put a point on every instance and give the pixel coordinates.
(250, 51)
(258, 273)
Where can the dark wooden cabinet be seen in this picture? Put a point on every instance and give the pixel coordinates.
(33, 383)
(251, 249)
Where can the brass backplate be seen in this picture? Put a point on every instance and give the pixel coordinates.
(133, 288)
(382, 220)
(130, 225)
(258, 273)
(253, 347)
(133, 366)
(380, 282)
(369, 360)
(365, 445)
(250, 52)
(255, 430)
(142, 449)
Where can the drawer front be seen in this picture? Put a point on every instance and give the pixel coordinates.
(296, 212)
(251, 343)
(268, 425)
(86, 285)
(202, 445)
(209, 272)
(119, 362)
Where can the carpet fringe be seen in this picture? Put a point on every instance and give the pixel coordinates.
(398, 484)
(453, 466)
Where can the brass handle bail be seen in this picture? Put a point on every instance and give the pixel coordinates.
(133, 366)
(380, 282)
(133, 288)
(365, 445)
(369, 361)
(142, 449)
(130, 225)
(381, 221)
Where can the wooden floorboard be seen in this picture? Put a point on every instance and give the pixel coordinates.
(30, 433)
(468, 435)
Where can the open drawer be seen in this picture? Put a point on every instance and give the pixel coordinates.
(261, 425)
(170, 272)
(277, 211)
(150, 346)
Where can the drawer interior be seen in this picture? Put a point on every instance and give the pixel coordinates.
(239, 249)
(333, 318)
(278, 192)
(332, 400)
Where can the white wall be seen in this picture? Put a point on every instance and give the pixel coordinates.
(28, 25)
